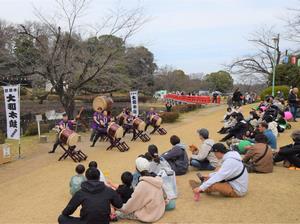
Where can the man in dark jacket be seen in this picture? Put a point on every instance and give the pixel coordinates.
(290, 154)
(238, 130)
(293, 102)
(95, 199)
(177, 156)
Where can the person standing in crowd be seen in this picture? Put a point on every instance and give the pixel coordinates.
(202, 158)
(290, 154)
(95, 200)
(147, 203)
(293, 102)
(168, 107)
(237, 97)
(231, 179)
(65, 123)
(259, 157)
(177, 156)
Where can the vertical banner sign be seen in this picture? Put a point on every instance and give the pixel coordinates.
(134, 102)
(12, 109)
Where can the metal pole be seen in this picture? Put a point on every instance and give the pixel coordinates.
(19, 121)
(276, 41)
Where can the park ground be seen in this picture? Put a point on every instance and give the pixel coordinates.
(35, 188)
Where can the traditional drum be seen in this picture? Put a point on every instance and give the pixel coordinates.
(155, 120)
(123, 118)
(115, 131)
(68, 137)
(102, 101)
(139, 124)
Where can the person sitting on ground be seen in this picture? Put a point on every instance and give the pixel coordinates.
(290, 154)
(253, 118)
(95, 165)
(263, 129)
(147, 203)
(238, 130)
(75, 182)
(259, 157)
(125, 189)
(272, 125)
(177, 156)
(95, 200)
(162, 168)
(203, 158)
(231, 179)
(227, 114)
(231, 122)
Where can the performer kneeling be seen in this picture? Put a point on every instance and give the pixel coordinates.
(102, 127)
(64, 123)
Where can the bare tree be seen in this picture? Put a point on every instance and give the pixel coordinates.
(260, 64)
(67, 59)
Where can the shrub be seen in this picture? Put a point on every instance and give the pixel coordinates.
(169, 117)
(2, 137)
(32, 128)
(185, 108)
(268, 91)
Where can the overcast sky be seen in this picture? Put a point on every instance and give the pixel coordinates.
(193, 35)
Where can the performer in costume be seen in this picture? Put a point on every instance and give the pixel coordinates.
(150, 113)
(102, 127)
(64, 123)
(96, 122)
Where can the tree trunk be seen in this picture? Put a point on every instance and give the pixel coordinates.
(68, 103)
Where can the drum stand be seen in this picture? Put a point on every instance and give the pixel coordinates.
(160, 130)
(140, 134)
(76, 156)
(116, 142)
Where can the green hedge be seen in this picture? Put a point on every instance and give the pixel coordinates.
(183, 108)
(32, 129)
(169, 117)
(268, 91)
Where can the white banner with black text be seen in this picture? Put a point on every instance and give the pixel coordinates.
(134, 102)
(12, 110)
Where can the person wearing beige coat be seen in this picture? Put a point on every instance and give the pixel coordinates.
(147, 203)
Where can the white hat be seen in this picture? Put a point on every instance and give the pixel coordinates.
(142, 164)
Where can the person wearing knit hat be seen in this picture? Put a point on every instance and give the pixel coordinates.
(147, 203)
(231, 179)
(142, 164)
(202, 158)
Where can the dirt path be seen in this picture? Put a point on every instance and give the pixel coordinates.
(35, 189)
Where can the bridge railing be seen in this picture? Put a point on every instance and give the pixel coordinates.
(191, 99)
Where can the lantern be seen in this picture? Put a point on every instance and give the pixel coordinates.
(293, 60)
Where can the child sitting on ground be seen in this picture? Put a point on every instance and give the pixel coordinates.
(75, 182)
(95, 165)
(125, 189)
